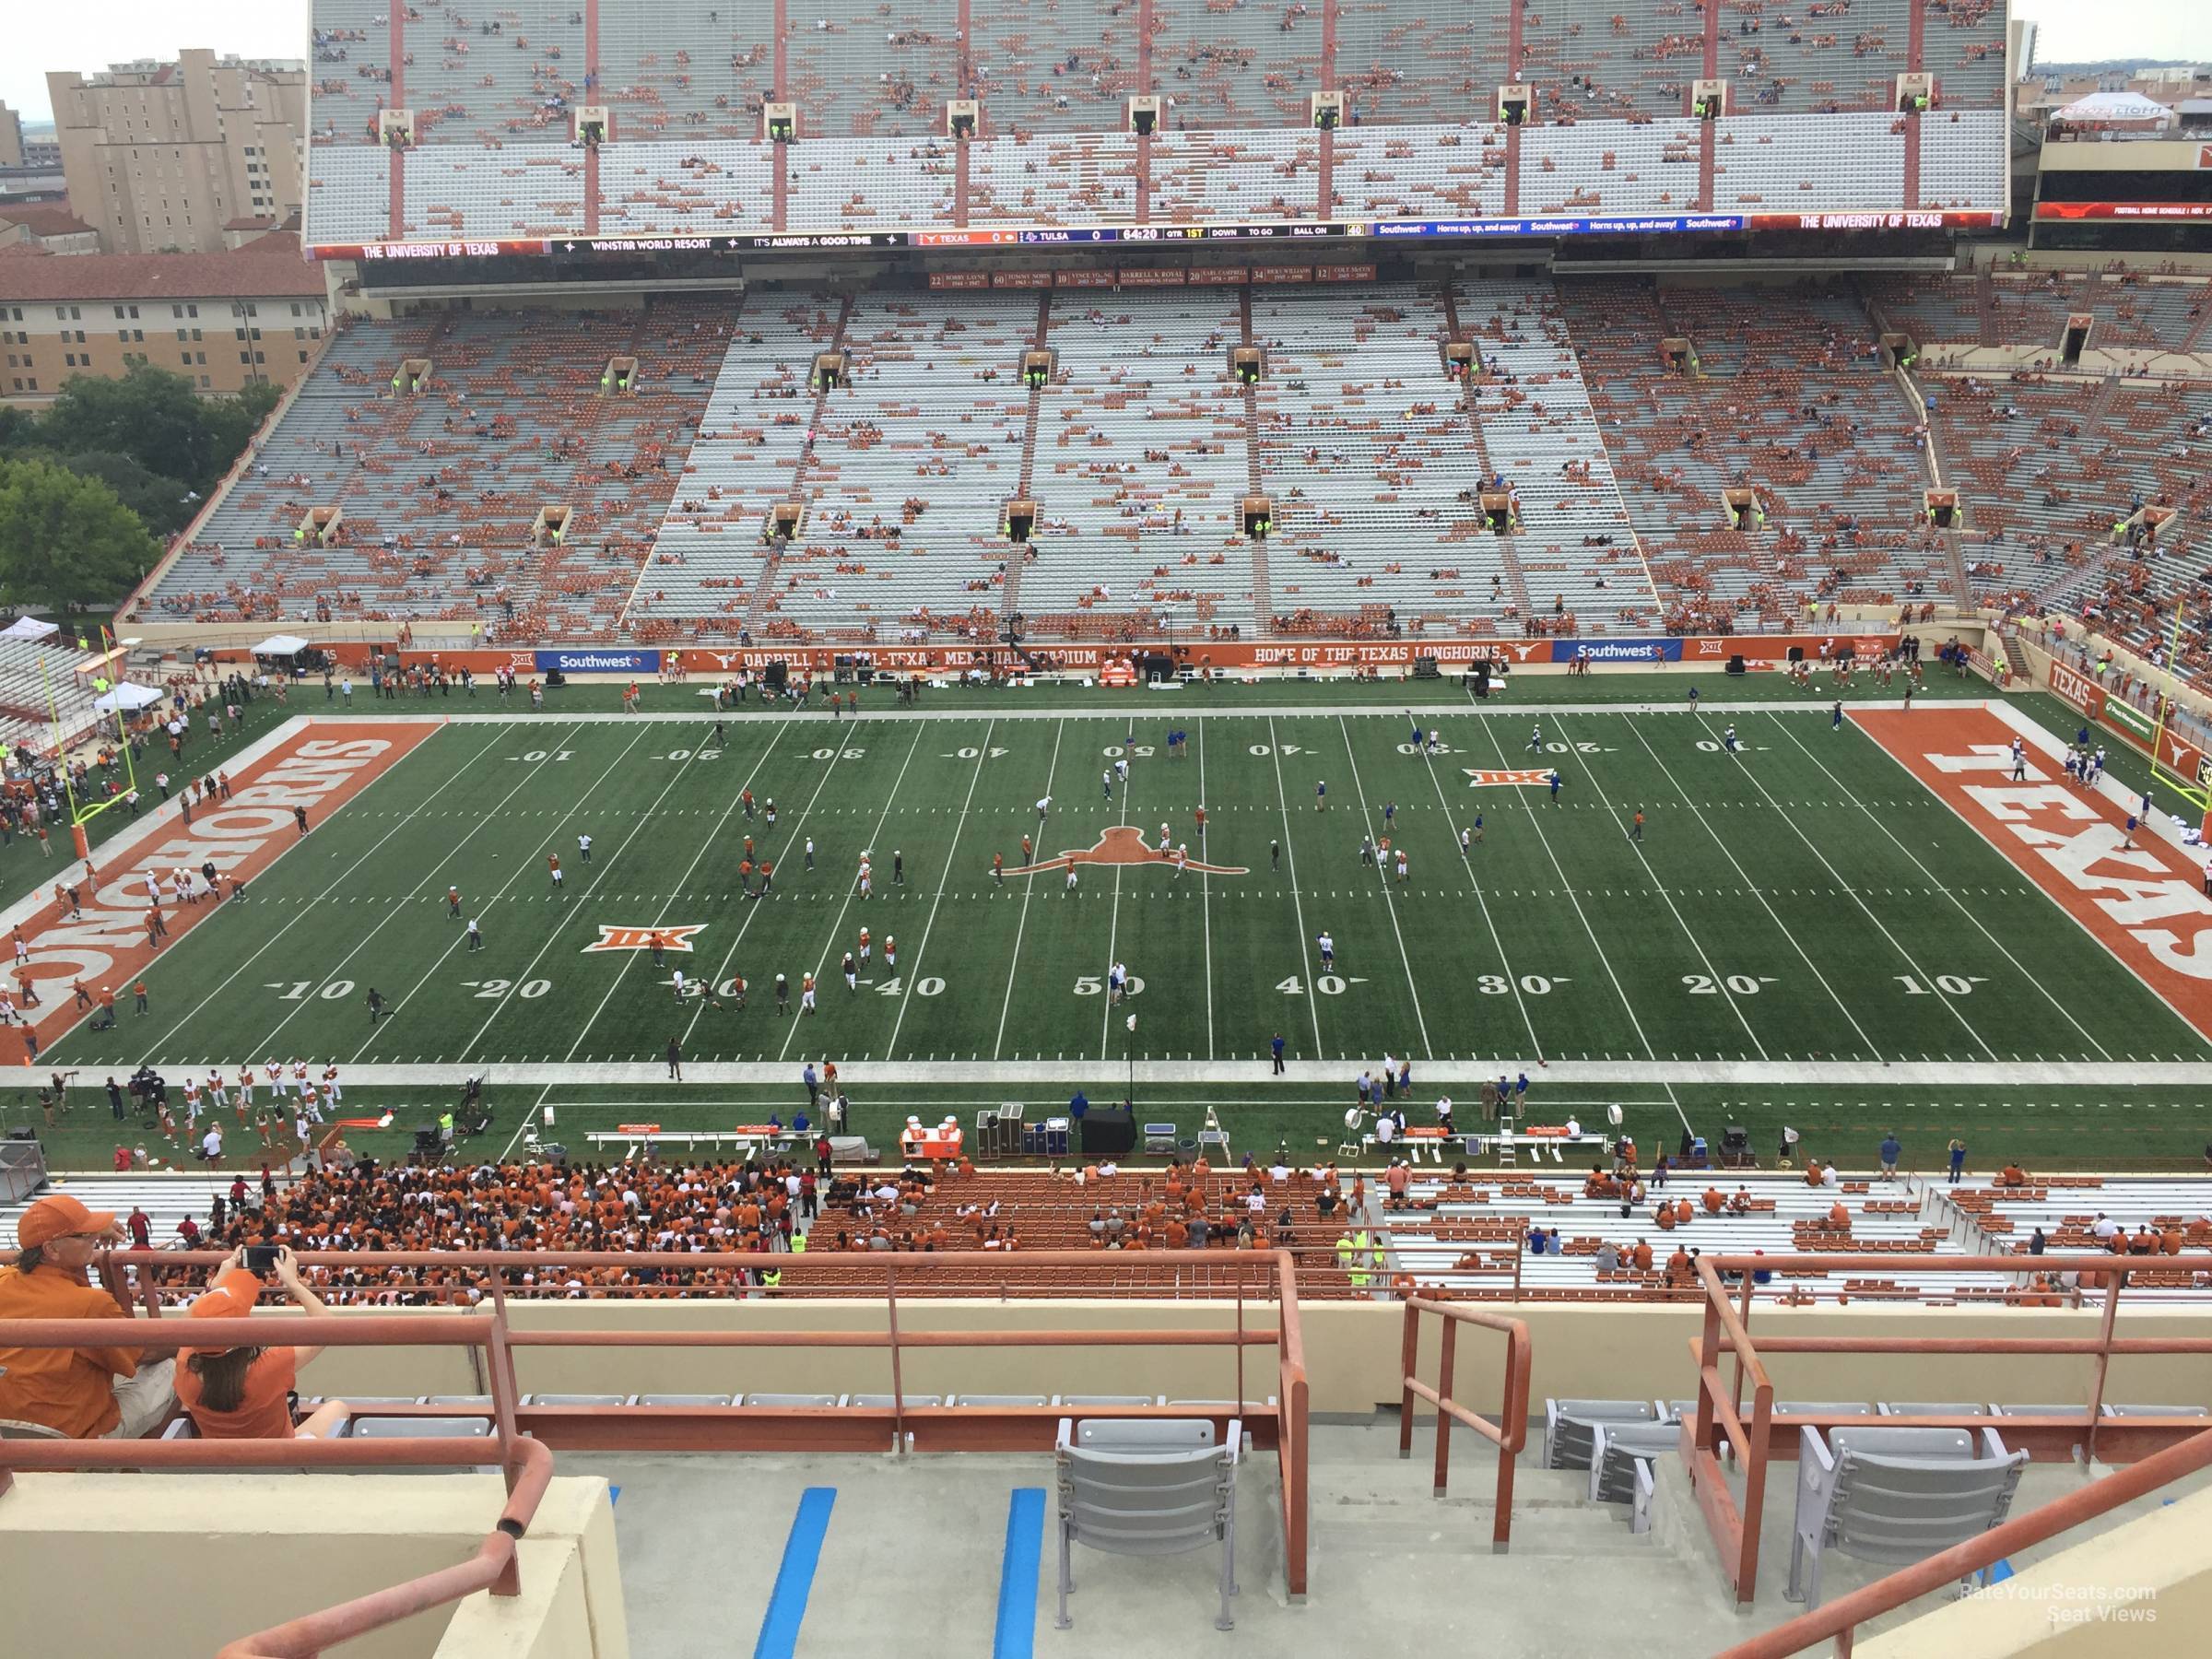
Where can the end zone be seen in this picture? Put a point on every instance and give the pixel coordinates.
(2145, 903)
(316, 766)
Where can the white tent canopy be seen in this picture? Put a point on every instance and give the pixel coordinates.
(127, 697)
(280, 645)
(2108, 107)
(29, 628)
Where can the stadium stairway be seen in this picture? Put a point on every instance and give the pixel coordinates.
(1009, 593)
(764, 590)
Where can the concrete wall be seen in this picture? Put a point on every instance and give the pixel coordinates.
(161, 1564)
(2138, 1589)
(1352, 1353)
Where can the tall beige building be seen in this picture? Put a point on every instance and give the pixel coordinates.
(162, 156)
(11, 137)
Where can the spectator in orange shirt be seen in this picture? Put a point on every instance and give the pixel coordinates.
(1642, 1257)
(2014, 1176)
(245, 1392)
(1677, 1268)
(85, 1393)
(1715, 1203)
(1839, 1218)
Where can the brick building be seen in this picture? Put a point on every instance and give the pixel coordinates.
(161, 156)
(224, 320)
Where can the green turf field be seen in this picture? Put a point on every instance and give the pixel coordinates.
(1801, 903)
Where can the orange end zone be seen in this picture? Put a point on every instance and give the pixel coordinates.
(318, 767)
(2145, 903)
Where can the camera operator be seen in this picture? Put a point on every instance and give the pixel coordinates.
(247, 1392)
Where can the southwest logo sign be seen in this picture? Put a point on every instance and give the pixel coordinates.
(641, 938)
(1124, 845)
(1525, 777)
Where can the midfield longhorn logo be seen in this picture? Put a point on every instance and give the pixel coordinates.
(641, 938)
(1124, 845)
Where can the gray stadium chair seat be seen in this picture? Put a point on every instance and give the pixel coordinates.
(791, 1399)
(2154, 1411)
(1620, 1465)
(1568, 1427)
(881, 1402)
(1935, 1408)
(990, 1399)
(421, 1428)
(1895, 1496)
(684, 1399)
(1108, 1402)
(579, 1399)
(1148, 1486)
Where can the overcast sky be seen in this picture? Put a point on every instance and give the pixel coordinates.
(39, 35)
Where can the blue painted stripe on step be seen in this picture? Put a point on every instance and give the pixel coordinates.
(1016, 1637)
(795, 1578)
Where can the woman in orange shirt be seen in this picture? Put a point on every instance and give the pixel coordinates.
(245, 1392)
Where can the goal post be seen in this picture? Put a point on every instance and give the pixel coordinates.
(82, 811)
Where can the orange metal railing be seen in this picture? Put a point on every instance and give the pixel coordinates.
(1508, 1434)
(1260, 1278)
(1722, 1421)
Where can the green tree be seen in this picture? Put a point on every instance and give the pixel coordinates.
(65, 540)
(18, 429)
(165, 505)
(232, 421)
(148, 414)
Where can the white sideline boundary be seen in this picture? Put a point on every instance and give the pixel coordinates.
(987, 709)
(1334, 1076)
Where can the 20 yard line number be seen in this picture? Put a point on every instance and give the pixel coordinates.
(493, 989)
(1742, 984)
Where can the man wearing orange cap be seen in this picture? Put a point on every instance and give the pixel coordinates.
(85, 1393)
(245, 1392)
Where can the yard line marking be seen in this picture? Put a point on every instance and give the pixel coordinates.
(1305, 940)
(485, 910)
(837, 927)
(1029, 886)
(982, 755)
(798, 827)
(1414, 989)
(1114, 919)
(1954, 897)
(1206, 898)
(1535, 1043)
(301, 913)
(1667, 771)
(1760, 784)
(1606, 961)
(736, 798)
(2096, 1077)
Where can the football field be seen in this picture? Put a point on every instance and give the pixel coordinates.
(1803, 900)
